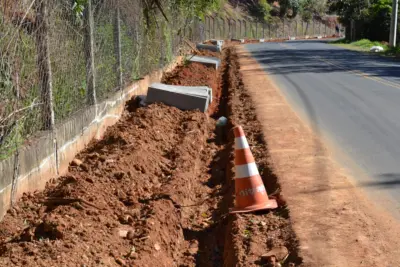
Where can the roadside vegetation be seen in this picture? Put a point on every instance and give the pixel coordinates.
(371, 18)
(364, 45)
(360, 45)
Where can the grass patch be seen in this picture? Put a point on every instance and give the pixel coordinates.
(340, 41)
(360, 45)
(393, 51)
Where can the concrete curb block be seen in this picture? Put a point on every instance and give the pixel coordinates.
(205, 60)
(182, 97)
(212, 48)
(217, 42)
(238, 40)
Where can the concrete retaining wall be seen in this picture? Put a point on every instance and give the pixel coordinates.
(48, 155)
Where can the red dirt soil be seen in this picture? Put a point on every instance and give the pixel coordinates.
(207, 53)
(149, 163)
(155, 191)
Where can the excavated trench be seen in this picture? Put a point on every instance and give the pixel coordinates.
(155, 191)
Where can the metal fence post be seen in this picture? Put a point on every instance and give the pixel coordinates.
(256, 30)
(236, 35)
(221, 28)
(240, 28)
(218, 29)
(206, 26)
(89, 55)
(117, 46)
(232, 28)
(202, 30)
(162, 47)
(244, 31)
(214, 32)
(209, 27)
(307, 26)
(206, 29)
(228, 23)
(44, 66)
(263, 35)
(313, 28)
(319, 28)
(269, 30)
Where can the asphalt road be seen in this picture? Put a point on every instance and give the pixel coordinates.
(352, 100)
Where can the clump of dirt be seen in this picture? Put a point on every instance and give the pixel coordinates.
(196, 74)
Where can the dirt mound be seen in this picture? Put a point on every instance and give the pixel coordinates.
(155, 191)
(117, 203)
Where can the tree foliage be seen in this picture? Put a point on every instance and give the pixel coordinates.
(348, 9)
(312, 8)
(261, 10)
(289, 8)
(372, 17)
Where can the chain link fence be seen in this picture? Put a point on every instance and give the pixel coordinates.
(58, 58)
(217, 27)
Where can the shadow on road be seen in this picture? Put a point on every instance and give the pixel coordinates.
(298, 59)
(386, 181)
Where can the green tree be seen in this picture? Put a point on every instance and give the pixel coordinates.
(289, 8)
(348, 9)
(261, 10)
(310, 8)
(372, 17)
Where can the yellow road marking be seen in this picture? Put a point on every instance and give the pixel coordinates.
(356, 72)
(362, 74)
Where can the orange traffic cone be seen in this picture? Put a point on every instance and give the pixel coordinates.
(249, 187)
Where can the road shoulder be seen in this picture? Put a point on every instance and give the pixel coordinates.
(334, 221)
